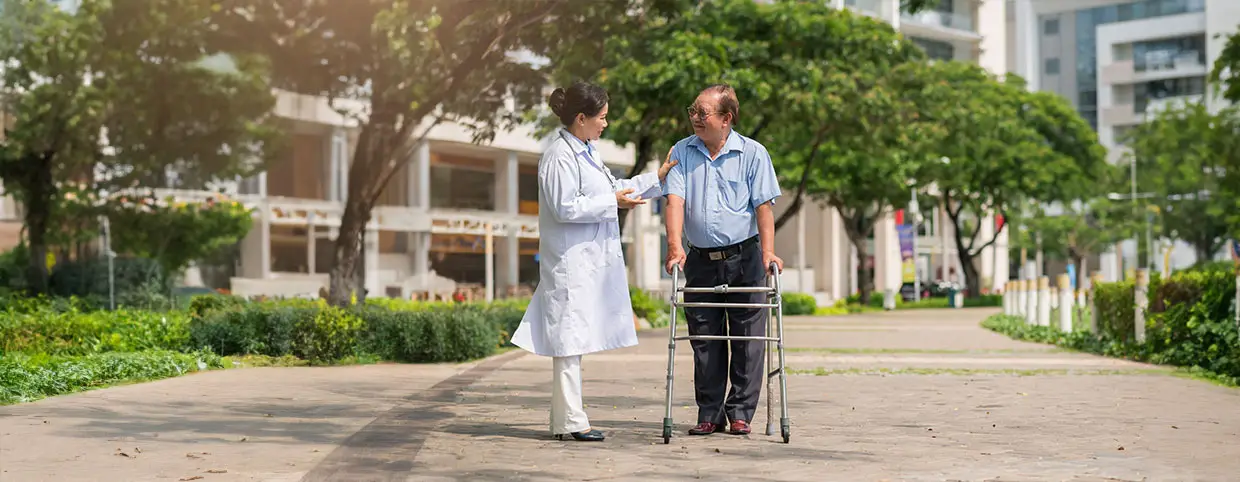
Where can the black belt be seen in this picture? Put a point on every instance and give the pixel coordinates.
(725, 252)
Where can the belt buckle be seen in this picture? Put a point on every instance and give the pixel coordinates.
(716, 255)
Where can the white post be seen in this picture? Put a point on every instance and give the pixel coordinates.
(490, 265)
(1022, 300)
(1044, 301)
(1066, 305)
(311, 246)
(1007, 298)
(1142, 302)
(1031, 300)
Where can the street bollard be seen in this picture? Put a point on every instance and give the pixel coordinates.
(1066, 304)
(1021, 299)
(1031, 301)
(1142, 295)
(889, 299)
(1007, 298)
(1044, 301)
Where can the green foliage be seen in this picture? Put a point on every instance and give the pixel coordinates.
(431, 336)
(655, 310)
(132, 68)
(1181, 155)
(1226, 70)
(173, 233)
(1190, 324)
(46, 330)
(799, 304)
(138, 282)
(1080, 230)
(25, 378)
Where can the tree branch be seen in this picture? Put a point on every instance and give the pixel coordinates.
(804, 182)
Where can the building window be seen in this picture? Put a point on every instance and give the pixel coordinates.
(1050, 27)
(935, 49)
(1051, 66)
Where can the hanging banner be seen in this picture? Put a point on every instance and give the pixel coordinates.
(908, 261)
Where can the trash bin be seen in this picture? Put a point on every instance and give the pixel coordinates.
(951, 297)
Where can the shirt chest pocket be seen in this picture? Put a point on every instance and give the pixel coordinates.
(733, 184)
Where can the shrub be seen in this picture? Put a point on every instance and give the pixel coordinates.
(449, 334)
(25, 378)
(653, 309)
(254, 329)
(76, 333)
(799, 304)
(90, 278)
(1115, 304)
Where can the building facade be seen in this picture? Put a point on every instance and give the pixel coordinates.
(1118, 62)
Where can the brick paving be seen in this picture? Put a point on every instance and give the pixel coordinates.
(909, 395)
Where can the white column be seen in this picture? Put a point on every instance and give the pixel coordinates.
(992, 26)
(1001, 257)
(1026, 41)
(986, 268)
(264, 229)
(311, 243)
(945, 228)
(507, 198)
(887, 272)
(891, 13)
(834, 255)
(490, 264)
(420, 184)
(1044, 301)
(370, 256)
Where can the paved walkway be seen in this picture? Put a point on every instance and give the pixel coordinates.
(893, 396)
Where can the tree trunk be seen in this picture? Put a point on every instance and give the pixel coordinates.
(1203, 251)
(1082, 270)
(798, 200)
(39, 194)
(345, 278)
(865, 282)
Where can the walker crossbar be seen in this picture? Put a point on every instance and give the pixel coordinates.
(774, 334)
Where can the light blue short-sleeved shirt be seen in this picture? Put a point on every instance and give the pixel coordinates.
(721, 196)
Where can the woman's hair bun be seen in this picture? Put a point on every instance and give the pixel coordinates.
(557, 101)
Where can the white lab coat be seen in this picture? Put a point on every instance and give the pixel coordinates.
(582, 303)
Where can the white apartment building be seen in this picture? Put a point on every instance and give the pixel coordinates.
(466, 214)
(1119, 61)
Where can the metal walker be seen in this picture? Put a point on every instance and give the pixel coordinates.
(775, 304)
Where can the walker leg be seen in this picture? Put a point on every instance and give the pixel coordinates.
(785, 426)
(770, 376)
(671, 359)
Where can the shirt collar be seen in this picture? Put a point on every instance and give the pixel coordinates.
(734, 143)
(577, 145)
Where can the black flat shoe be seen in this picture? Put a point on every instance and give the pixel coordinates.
(587, 436)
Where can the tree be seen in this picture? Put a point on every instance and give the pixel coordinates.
(411, 66)
(1005, 146)
(1181, 156)
(1226, 71)
(115, 94)
(849, 134)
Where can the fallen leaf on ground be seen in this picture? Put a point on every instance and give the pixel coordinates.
(192, 477)
(217, 471)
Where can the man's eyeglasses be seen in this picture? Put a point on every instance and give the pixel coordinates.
(696, 113)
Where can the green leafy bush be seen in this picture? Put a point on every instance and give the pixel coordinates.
(25, 378)
(77, 333)
(655, 310)
(450, 334)
(1116, 309)
(799, 304)
(90, 277)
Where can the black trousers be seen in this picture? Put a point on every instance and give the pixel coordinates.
(712, 368)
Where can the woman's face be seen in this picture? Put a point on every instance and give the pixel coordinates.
(591, 128)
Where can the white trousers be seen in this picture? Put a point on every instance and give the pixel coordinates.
(567, 414)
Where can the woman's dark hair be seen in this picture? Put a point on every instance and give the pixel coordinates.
(580, 98)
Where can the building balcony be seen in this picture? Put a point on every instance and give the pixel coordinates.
(1120, 115)
(869, 7)
(939, 25)
(1155, 106)
(1120, 72)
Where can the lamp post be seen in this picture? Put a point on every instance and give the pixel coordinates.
(915, 213)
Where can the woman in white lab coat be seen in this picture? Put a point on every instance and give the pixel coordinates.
(581, 304)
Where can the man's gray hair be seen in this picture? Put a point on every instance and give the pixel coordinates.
(727, 99)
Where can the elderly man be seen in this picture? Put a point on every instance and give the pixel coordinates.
(719, 197)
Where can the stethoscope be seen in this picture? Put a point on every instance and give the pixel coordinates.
(581, 192)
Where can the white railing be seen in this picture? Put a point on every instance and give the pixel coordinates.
(937, 18)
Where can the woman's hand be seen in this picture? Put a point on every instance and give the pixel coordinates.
(667, 166)
(625, 202)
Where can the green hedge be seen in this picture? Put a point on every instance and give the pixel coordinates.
(25, 378)
(52, 331)
(799, 304)
(1190, 324)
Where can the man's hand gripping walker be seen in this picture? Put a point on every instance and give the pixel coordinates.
(774, 303)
